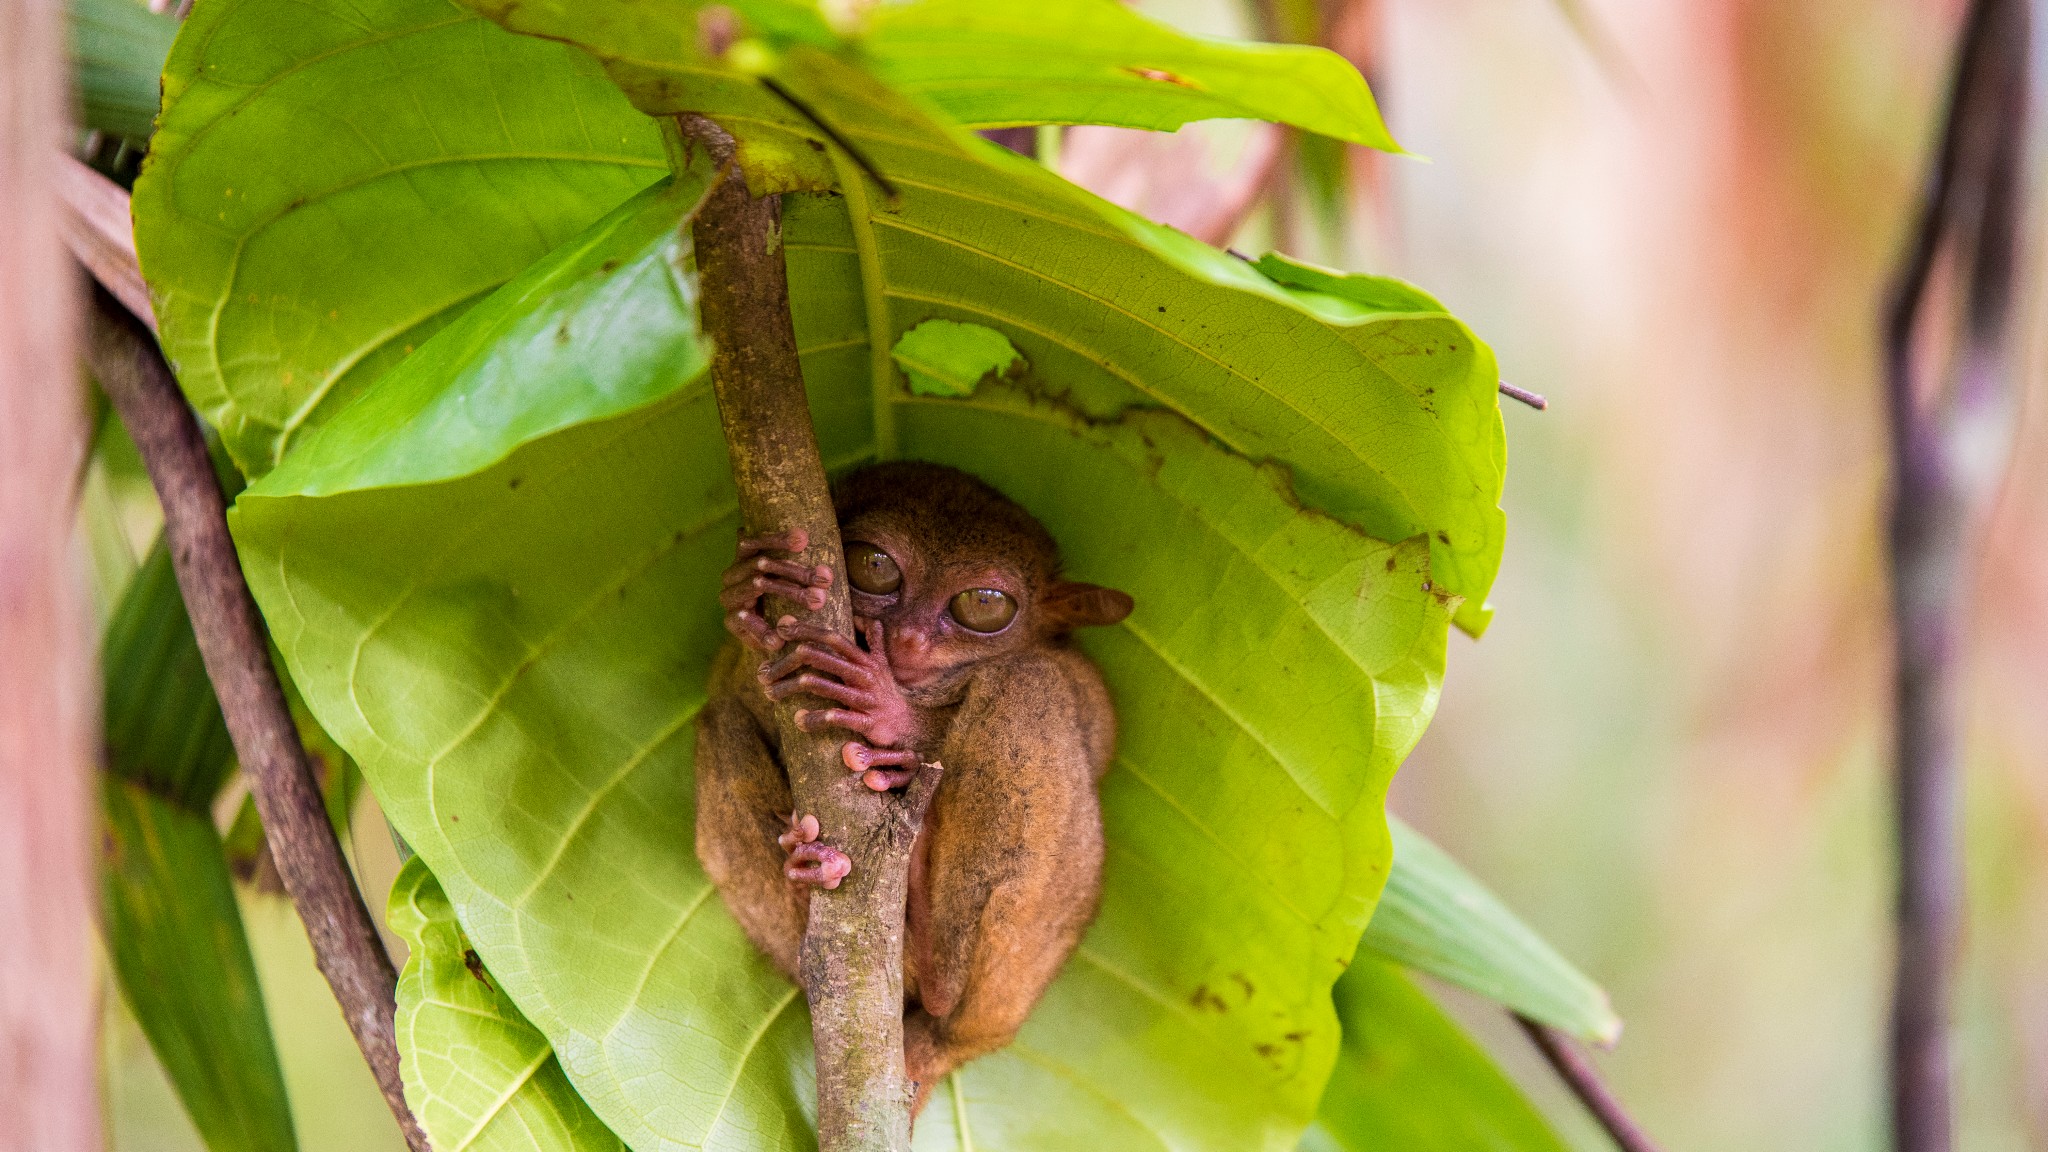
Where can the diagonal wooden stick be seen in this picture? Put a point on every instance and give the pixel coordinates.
(123, 354)
(237, 655)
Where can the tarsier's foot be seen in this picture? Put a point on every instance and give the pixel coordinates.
(756, 575)
(841, 672)
(868, 762)
(809, 861)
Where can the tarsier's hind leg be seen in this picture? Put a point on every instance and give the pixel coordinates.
(743, 804)
(1015, 862)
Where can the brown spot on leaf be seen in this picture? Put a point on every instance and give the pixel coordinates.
(1163, 76)
(475, 964)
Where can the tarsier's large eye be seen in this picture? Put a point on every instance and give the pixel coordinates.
(872, 570)
(984, 610)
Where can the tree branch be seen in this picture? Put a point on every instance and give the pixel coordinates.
(237, 657)
(48, 700)
(852, 962)
(1584, 1080)
(1968, 225)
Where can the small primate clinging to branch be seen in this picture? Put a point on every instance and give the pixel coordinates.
(962, 659)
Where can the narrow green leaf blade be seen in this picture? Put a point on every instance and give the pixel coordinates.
(172, 926)
(164, 729)
(1436, 917)
(117, 56)
(477, 1075)
(1099, 62)
(176, 941)
(333, 182)
(1410, 1079)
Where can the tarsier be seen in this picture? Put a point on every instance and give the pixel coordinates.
(961, 658)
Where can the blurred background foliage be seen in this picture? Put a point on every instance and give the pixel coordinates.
(1674, 218)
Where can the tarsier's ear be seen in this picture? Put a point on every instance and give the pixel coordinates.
(1072, 605)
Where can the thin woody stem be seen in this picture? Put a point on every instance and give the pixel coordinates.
(851, 965)
(237, 656)
(1968, 223)
(1579, 1074)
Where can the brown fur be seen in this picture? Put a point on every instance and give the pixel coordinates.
(1005, 876)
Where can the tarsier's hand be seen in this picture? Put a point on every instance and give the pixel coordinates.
(830, 666)
(756, 575)
(809, 861)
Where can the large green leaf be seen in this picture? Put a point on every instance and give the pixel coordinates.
(515, 654)
(404, 149)
(1410, 1080)
(477, 1075)
(1436, 917)
(172, 927)
(492, 577)
(117, 50)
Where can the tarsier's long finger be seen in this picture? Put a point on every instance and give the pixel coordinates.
(748, 592)
(816, 577)
(794, 540)
(752, 630)
(818, 634)
(859, 757)
(819, 864)
(821, 687)
(878, 643)
(809, 655)
(819, 719)
(887, 779)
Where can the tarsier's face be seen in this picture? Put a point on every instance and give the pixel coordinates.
(938, 615)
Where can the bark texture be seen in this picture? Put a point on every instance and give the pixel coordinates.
(48, 700)
(236, 651)
(852, 961)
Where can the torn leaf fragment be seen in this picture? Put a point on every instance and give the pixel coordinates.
(948, 358)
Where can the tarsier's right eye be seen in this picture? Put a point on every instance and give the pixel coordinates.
(872, 570)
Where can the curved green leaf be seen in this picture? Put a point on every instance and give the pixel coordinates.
(442, 638)
(492, 576)
(477, 1075)
(1436, 917)
(404, 149)
(982, 65)
(1098, 62)
(1410, 1079)
(117, 53)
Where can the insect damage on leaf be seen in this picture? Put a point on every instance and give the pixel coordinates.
(948, 358)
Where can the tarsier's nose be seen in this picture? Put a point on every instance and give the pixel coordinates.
(909, 645)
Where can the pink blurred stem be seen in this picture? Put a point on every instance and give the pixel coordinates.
(1950, 438)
